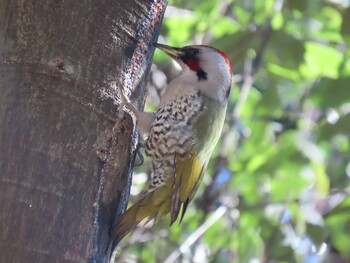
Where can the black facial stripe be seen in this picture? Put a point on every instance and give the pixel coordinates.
(228, 92)
(202, 75)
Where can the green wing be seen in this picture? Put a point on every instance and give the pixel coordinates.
(189, 172)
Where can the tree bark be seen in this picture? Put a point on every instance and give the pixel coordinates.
(65, 156)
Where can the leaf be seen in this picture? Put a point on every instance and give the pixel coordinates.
(225, 26)
(331, 93)
(250, 244)
(287, 185)
(321, 178)
(321, 60)
(330, 20)
(180, 29)
(285, 50)
(345, 28)
(277, 21)
(283, 72)
(338, 220)
(297, 4)
(328, 131)
(270, 102)
(317, 233)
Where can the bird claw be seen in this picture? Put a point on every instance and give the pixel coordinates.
(139, 154)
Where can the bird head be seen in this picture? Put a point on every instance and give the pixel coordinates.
(205, 66)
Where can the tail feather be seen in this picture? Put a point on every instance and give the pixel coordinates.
(127, 222)
(153, 205)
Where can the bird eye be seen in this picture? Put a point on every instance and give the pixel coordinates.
(195, 52)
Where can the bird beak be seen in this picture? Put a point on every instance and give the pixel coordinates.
(174, 52)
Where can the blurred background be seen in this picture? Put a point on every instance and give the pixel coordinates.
(277, 188)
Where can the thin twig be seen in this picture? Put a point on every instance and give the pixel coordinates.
(219, 212)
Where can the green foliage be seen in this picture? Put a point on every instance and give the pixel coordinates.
(286, 144)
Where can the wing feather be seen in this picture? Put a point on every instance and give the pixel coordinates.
(188, 174)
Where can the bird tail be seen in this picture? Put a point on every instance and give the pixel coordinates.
(128, 221)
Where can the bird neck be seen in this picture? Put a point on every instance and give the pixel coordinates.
(216, 85)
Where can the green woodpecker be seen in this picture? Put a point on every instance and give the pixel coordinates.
(182, 135)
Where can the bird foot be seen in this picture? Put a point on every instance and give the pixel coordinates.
(139, 154)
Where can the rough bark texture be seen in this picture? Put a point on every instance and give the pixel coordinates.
(65, 157)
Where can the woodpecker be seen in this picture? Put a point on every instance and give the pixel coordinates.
(182, 135)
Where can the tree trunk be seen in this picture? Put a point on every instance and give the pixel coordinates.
(65, 156)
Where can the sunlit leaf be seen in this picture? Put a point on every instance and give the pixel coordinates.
(283, 72)
(321, 178)
(287, 185)
(179, 29)
(321, 60)
(224, 26)
(277, 21)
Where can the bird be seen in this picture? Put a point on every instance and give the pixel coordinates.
(180, 136)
